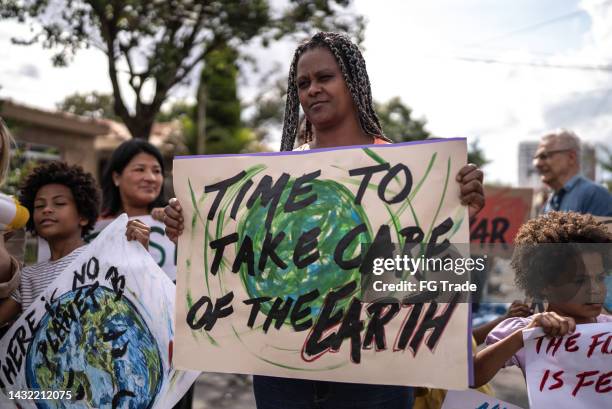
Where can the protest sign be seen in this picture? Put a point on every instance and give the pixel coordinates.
(570, 372)
(269, 263)
(161, 248)
(471, 399)
(101, 335)
(496, 225)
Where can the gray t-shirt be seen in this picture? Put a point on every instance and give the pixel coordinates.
(35, 279)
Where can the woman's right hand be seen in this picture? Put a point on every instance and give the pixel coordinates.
(174, 220)
(553, 324)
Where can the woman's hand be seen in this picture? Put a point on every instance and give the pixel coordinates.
(137, 230)
(158, 214)
(472, 192)
(553, 324)
(173, 219)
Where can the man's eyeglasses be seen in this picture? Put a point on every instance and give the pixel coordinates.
(548, 154)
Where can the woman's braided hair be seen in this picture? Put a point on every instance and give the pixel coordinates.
(355, 75)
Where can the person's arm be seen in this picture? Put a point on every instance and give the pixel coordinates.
(6, 264)
(480, 333)
(9, 271)
(491, 359)
(9, 309)
(517, 309)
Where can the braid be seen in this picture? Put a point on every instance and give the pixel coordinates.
(353, 68)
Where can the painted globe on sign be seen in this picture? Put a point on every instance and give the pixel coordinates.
(335, 213)
(108, 357)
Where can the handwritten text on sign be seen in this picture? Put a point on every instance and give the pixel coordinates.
(102, 332)
(275, 246)
(573, 371)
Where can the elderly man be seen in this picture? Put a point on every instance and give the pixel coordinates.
(558, 162)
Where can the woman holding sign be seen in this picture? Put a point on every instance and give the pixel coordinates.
(329, 80)
(134, 183)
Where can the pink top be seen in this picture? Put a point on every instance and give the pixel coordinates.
(507, 327)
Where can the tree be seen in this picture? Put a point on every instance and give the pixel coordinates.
(94, 105)
(397, 122)
(218, 112)
(268, 106)
(476, 154)
(158, 43)
(224, 129)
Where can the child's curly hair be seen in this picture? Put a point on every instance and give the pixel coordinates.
(82, 185)
(537, 264)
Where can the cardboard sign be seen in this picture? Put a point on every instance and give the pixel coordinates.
(570, 372)
(505, 210)
(101, 335)
(269, 263)
(471, 399)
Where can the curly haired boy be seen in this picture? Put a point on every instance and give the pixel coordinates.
(64, 203)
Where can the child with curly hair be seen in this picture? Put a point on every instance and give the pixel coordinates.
(64, 203)
(558, 257)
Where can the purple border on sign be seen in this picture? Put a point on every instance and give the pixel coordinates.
(469, 347)
(339, 148)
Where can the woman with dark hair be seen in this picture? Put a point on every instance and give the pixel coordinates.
(329, 80)
(133, 181)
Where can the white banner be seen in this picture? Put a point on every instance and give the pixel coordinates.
(100, 336)
(161, 248)
(570, 372)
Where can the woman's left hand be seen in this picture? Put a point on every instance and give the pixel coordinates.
(137, 230)
(158, 214)
(472, 192)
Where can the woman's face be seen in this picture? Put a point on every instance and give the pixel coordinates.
(323, 94)
(140, 182)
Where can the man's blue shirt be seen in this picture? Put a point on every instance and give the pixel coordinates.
(583, 196)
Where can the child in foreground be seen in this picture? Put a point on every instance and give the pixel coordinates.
(64, 203)
(571, 277)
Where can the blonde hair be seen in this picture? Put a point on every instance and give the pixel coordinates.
(6, 140)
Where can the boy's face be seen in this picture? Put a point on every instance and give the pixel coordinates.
(582, 295)
(55, 213)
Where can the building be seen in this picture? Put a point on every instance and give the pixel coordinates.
(88, 142)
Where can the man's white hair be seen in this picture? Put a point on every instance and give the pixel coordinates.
(565, 139)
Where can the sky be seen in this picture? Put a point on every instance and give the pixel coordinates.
(502, 71)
